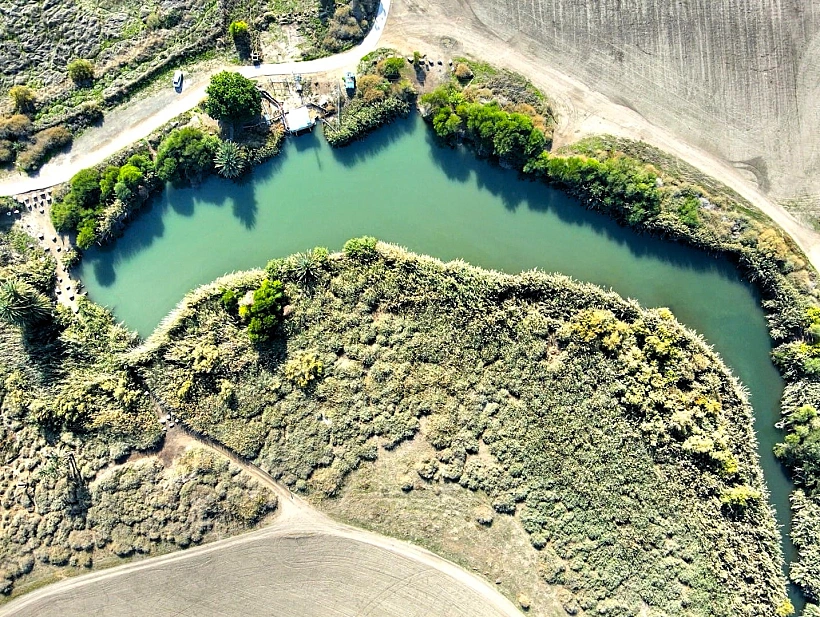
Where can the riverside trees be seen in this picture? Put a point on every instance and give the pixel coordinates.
(232, 97)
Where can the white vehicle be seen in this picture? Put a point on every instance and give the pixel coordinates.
(178, 80)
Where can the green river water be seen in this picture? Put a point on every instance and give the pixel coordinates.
(399, 186)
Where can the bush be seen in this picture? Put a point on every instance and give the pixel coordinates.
(361, 249)
(463, 72)
(81, 71)
(303, 369)
(186, 155)
(391, 67)
(264, 313)
(15, 128)
(23, 99)
(46, 143)
(232, 97)
(238, 30)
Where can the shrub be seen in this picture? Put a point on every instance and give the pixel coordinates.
(80, 71)
(238, 30)
(264, 313)
(688, 211)
(391, 67)
(15, 128)
(360, 118)
(23, 99)
(361, 249)
(463, 72)
(303, 369)
(739, 497)
(46, 143)
(185, 156)
(232, 97)
(128, 181)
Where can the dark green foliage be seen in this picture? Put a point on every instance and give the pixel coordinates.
(618, 185)
(85, 186)
(230, 301)
(264, 313)
(232, 97)
(494, 132)
(186, 156)
(361, 249)
(517, 382)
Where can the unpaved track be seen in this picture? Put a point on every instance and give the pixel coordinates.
(302, 565)
(443, 28)
(139, 119)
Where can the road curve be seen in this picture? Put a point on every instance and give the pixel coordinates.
(304, 564)
(52, 174)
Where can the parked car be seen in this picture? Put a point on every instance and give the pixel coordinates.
(178, 80)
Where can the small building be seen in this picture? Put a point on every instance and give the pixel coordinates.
(350, 81)
(298, 120)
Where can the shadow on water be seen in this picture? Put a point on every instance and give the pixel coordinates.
(517, 190)
(374, 143)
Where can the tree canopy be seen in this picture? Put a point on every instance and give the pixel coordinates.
(232, 97)
(186, 155)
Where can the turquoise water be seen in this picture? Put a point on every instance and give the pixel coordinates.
(401, 187)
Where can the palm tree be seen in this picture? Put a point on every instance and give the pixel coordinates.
(230, 159)
(21, 304)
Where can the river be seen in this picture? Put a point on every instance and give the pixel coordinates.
(401, 187)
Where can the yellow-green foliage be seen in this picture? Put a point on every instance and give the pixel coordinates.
(303, 369)
(561, 403)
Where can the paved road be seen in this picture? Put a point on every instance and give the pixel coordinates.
(146, 119)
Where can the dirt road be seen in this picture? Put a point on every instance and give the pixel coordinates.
(137, 120)
(304, 564)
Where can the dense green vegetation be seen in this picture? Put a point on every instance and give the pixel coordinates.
(71, 412)
(98, 203)
(232, 97)
(379, 99)
(653, 500)
(81, 71)
(186, 156)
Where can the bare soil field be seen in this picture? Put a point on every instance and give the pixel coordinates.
(694, 79)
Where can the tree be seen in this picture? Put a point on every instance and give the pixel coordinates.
(230, 159)
(232, 97)
(23, 98)
(264, 312)
(128, 181)
(81, 71)
(22, 305)
(186, 155)
(85, 185)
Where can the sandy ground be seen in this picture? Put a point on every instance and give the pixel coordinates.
(303, 564)
(35, 218)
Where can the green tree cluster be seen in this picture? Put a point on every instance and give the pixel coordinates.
(509, 136)
(92, 194)
(186, 156)
(264, 313)
(238, 30)
(232, 97)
